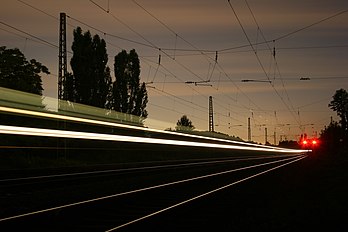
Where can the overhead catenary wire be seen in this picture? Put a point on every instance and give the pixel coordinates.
(259, 61)
(79, 21)
(43, 41)
(195, 49)
(145, 39)
(112, 35)
(42, 11)
(182, 38)
(186, 41)
(171, 74)
(273, 55)
(180, 82)
(311, 25)
(132, 41)
(126, 25)
(177, 53)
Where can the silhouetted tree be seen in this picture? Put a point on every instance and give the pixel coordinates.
(91, 81)
(69, 91)
(128, 96)
(184, 124)
(332, 138)
(340, 105)
(18, 73)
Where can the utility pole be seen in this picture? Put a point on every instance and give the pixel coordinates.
(62, 69)
(62, 72)
(211, 114)
(249, 130)
(265, 135)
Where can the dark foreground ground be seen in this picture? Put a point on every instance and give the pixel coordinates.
(310, 195)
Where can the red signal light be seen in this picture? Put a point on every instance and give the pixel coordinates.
(311, 143)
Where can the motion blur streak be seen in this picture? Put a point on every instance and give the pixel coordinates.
(14, 130)
(113, 124)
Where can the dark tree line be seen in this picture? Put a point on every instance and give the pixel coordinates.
(90, 82)
(335, 136)
(128, 96)
(339, 103)
(17, 73)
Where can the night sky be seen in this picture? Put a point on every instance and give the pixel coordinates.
(216, 44)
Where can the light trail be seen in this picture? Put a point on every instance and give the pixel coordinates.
(30, 131)
(138, 168)
(148, 188)
(113, 124)
(202, 195)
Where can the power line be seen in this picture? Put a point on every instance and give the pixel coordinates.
(182, 65)
(35, 8)
(285, 35)
(79, 21)
(191, 88)
(149, 42)
(186, 41)
(311, 25)
(94, 28)
(258, 59)
(32, 36)
(273, 53)
(180, 82)
(111, 35)
(152, 46)
(172, 31)
(21, 36)
(181, 99)
(195, 49)
(315, 102)
(42, 11)
(283, 48)
(200, 51)
(126, 25)
(313, 47)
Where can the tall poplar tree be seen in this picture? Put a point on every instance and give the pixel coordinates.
(128, 95)
(91, 81)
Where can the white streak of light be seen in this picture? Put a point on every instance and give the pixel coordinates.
(113, 124)
(14, 130)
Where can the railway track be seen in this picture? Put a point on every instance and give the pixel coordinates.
(123, 198)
